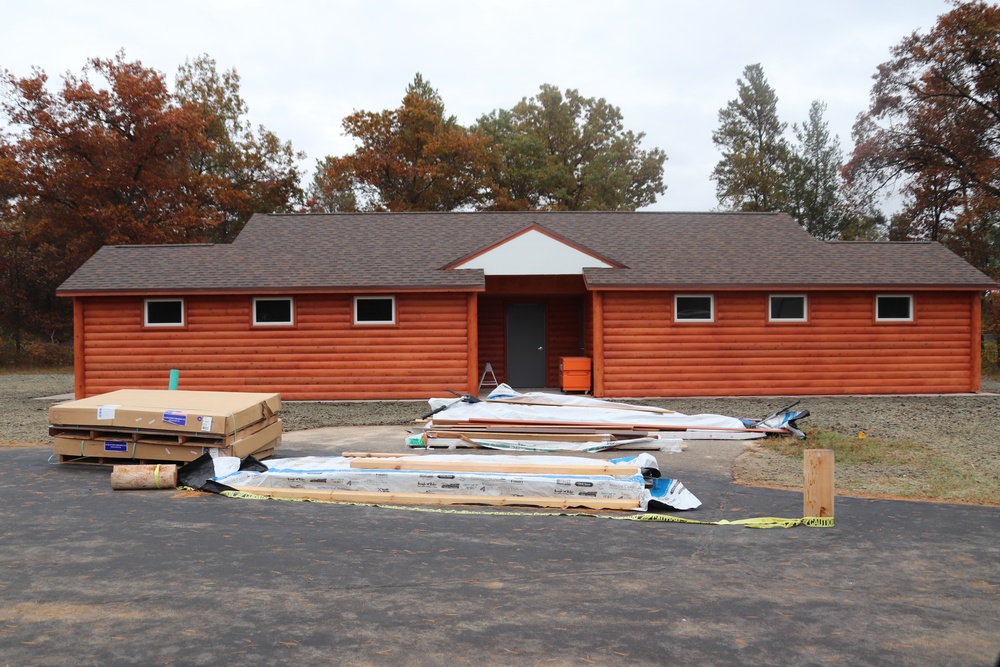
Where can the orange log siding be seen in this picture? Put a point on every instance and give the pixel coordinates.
(563, 329)
(322, 356)
(492, 337)
(563, 333)
(840, 350)
(636, 347)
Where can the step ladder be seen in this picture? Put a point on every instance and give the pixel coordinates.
(492, 382)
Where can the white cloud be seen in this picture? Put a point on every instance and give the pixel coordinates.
(669, 65)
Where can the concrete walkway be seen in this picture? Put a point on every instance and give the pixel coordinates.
(91, 576)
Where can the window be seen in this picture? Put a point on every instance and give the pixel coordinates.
(787, 308)
(694, 308)
(164, 313)
(272, 312)
(374, 310)
(893, 308)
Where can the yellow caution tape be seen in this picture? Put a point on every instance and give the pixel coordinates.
(754, 522)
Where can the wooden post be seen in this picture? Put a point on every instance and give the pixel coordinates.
(597, 341)
(817, 488)
(79, 367)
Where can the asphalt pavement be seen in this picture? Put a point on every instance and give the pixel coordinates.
(91, 576)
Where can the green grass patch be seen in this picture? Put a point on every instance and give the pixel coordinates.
(894, 467)
(851, 450)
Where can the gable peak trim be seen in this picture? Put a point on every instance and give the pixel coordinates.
(534, 227)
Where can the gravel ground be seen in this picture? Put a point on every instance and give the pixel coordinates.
(963, 430)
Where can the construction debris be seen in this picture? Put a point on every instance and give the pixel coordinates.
(631, 483)
(543, 422)
(149, 426)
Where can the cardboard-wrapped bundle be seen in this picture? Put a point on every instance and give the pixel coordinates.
(144, 425)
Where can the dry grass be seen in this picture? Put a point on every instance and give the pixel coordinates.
(875, 466)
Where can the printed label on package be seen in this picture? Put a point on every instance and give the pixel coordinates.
(206, 424)
(115, 446)
(175, 417)
(106, 411)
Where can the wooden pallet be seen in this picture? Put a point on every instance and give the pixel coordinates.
(115, 461)
(157, 437)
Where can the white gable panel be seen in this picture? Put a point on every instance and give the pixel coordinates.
(530, 254)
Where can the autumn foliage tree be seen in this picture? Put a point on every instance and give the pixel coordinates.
(552, 151)
(95, 166)
(932, 133)
(113, 157)
(413, 158)
(260, 169)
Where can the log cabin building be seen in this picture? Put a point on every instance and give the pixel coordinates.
(406, 305)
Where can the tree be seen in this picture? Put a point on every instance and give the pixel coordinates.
(813, 169)
(932, 133)
(569, 152)
(751, 176)
(260, 169)
(413, 158)
(87, 166)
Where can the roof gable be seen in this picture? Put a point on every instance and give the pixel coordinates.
(533, 251)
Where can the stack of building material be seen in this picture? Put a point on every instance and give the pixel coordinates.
(538, 421)
(631, 483)
(153, 426)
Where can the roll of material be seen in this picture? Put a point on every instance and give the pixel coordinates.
(161, 476)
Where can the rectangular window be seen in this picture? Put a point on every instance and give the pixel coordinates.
(893, 308)
(787, 308)
(272, 312)
(164, 313)
(374, 310)
(694, 308)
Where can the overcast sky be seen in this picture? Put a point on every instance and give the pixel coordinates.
(668, 65)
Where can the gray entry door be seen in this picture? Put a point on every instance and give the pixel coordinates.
(526, 345)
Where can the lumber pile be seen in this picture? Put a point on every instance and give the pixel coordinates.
(151, 426)
(537, 421)
(631, 483)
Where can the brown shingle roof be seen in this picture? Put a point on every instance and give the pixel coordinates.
(369, 251)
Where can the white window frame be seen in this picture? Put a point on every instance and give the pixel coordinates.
(368, 323)
(711, 307)
(145, 313)
(291, 311)
(805, 308)
(894, 319)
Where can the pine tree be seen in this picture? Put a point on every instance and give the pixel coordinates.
(814, 177)
(751, 174)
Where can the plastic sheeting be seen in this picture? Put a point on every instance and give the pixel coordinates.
(572, 410)
(335, 473)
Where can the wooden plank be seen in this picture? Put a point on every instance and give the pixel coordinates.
(598, 433)
(439, 499)
(526, 435)
(817, 487)
(512, 467)
(647, 427)
(548, 404)
(374, 455)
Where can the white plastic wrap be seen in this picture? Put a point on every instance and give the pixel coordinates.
(336, 473)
